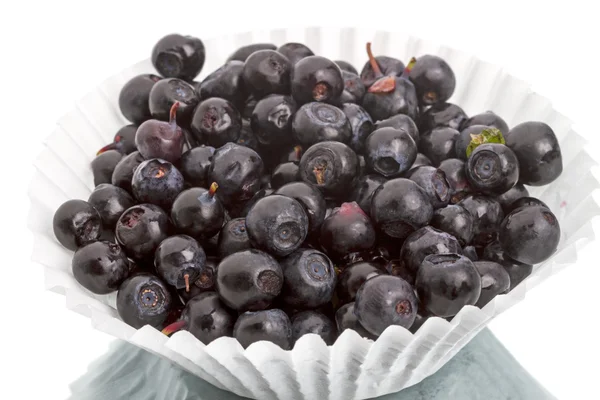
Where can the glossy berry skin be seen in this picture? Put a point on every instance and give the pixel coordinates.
(352, 278)
(269, 325)
(226, 82)
(346, 319)
(295, 52)
(489, 119)
(124, 140)
(198, 213)
(438, 144)
(346, 66)
(464, 138)
(159, 139)
(494, 281)
(314, 322)
(316, 78)
(385, 300)
(442, 115)
(471, 253)
(140, 230)
(454, 169)
(194, 165)
(207, 318)
(309, 279)
(446, 283)
(168, 91)
(433, 181)
(399, 207)
(285, 173)
(216, 121)
(158, 182)
(144, 299)
(434, 80)
(110, 202)
(364, 189)
(347, 230)
(331, 166)
(178, 256)
(249, 280)
(538, 151)
(76, 223)
(318, 122)
(277, 224)
(271, 120)
(233, 237)
(513, 194)
(247, 137)
(389, 67)
(530, 234)
(390, 152)
(402, 100)
(124, 170)
(206, 282)
(104, 165)
(420, 161)
(517, 271)
(237, 170)
(361, 124)
(100, 267)
(524, 202)
(456, 221)
(177, 56)
(424, 242)
(242, 53)
(267, 72)
(401, 121)
(492, 168)
(354, 88)
(310, 198)
(487, 216)
(134, 96)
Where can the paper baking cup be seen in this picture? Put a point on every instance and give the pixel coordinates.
(353, 368)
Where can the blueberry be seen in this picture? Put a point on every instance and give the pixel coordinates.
(233, 237)
(249, 280)
(517, 271)
(471, 253)
(310, 198)
(309, 279)
(177, 56)
(513, 194)
(494, 281)
(530, 234)
(314, 322)
(438, 144)
(492, 168)
(100, 267)
(352, 278)
(141, 228)
(455, 220)
(226, 83)
(195, 163)
(364, 189)
(424, 242)
(242, 53)
(400, 206)
(446, 283)
(272, 120)
(487, 216)
(206, 282)
(167, 92)
(489, 119)
(434, 183)
(76, 223)
(464, 139)
(237, 170)
(316, 78)
(277, 224)
(269, 325)
(346, 66)
(110, 202)
(285, 173)
(361, 124)
(401, 99)
(454, 169)
(197, 212)
(318, 122)
(442, 115)
(524, 202)
(144, 299)
(434, 80)
(295, 51)
(354, 88)
(124, 170)
(538, 151)
(248, 108)
(385, 300)
(390, 152)
(216, 121)
(267, 72)
(158, 182)
(331, 166)
(400, 121)
(123, 141)
(247, 138)
(346, 319)
(387, 66)
(420, 161)
(179, 260)
(346, 230)
(133, 98)
(207, 318)
(103, 166)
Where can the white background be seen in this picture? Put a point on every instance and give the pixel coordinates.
(53, 52)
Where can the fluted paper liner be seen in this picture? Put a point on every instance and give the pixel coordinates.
(354, 367)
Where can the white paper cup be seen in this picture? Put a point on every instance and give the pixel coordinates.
(353, 368)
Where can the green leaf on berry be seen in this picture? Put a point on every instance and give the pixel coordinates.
(488, 135)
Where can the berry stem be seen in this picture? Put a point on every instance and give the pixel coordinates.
(387, 84)
(373, 62)
(213, 189)
(298, 152)
(409, 67)
(319, 172)
(110, 146)
(174, 327)
(186, 278)
(173, 115)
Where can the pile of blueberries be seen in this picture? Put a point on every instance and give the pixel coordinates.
(288, 194)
